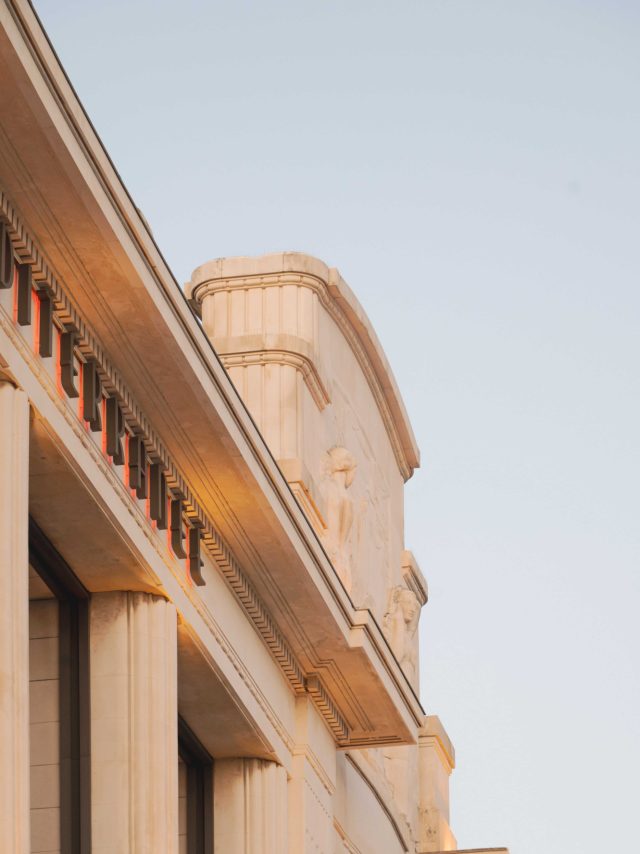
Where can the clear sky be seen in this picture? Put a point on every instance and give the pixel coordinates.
(472, 167)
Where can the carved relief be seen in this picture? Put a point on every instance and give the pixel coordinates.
(340, 472)
(400, 626)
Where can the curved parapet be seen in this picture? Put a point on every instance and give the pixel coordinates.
(288, 271)
(307, 363)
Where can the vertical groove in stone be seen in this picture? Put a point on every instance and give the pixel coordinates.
(250, 807)
(14, 620)
(135, 738)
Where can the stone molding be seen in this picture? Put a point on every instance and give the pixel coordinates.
(245, 675)
(432, 731)
(303, 487)
(66, 315)
(258, 613)
(347, 844)
(342, 306)
(413, 577)
(397, 821)
(327, 708)
(302, 363)
(306, 752)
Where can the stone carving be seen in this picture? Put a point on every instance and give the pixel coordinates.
(400, 626)
(341, 470)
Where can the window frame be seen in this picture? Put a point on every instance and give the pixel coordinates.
(199, 790)
(75, 709)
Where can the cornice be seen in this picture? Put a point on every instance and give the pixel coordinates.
(158, 545)
(413, 577)
(300, 361)
(433, 732)
(328, 708)
(66, 316)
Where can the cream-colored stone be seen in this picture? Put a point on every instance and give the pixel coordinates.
(401, 626)
(45, 786)
(43, 658)
(43, 619)
(312, 784)
(45, 830)
(340, 474)
(45, 743)
(297, 353)
(362, 817)
(134, 743)
(14, 621)
(413, 577)
(250, 807)
(401, 771)
(44, 701)
(304, 357)
(436, 762)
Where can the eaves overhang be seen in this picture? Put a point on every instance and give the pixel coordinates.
(71, 199)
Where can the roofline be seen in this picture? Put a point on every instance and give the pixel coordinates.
(346, 310)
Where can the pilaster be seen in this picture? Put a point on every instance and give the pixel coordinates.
(312, 784)
(134, 739)
(14, 620)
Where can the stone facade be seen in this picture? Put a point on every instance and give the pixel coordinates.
(209, 616)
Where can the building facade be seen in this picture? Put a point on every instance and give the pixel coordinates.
(208, 616)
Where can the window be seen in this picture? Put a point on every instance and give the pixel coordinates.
(60, 715)
(195, 791)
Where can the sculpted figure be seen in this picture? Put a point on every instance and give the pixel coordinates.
(400, 625)
(341, 470)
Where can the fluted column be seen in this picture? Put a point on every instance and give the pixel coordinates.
(250, 807)
(14, 620)
(134, 719)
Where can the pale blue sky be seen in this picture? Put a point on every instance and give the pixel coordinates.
(472, 167)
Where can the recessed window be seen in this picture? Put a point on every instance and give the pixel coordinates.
(195, 792)
(59, 703)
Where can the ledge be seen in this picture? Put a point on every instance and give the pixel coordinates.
(433, 729)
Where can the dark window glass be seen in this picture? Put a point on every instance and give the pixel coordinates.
(196, 794)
